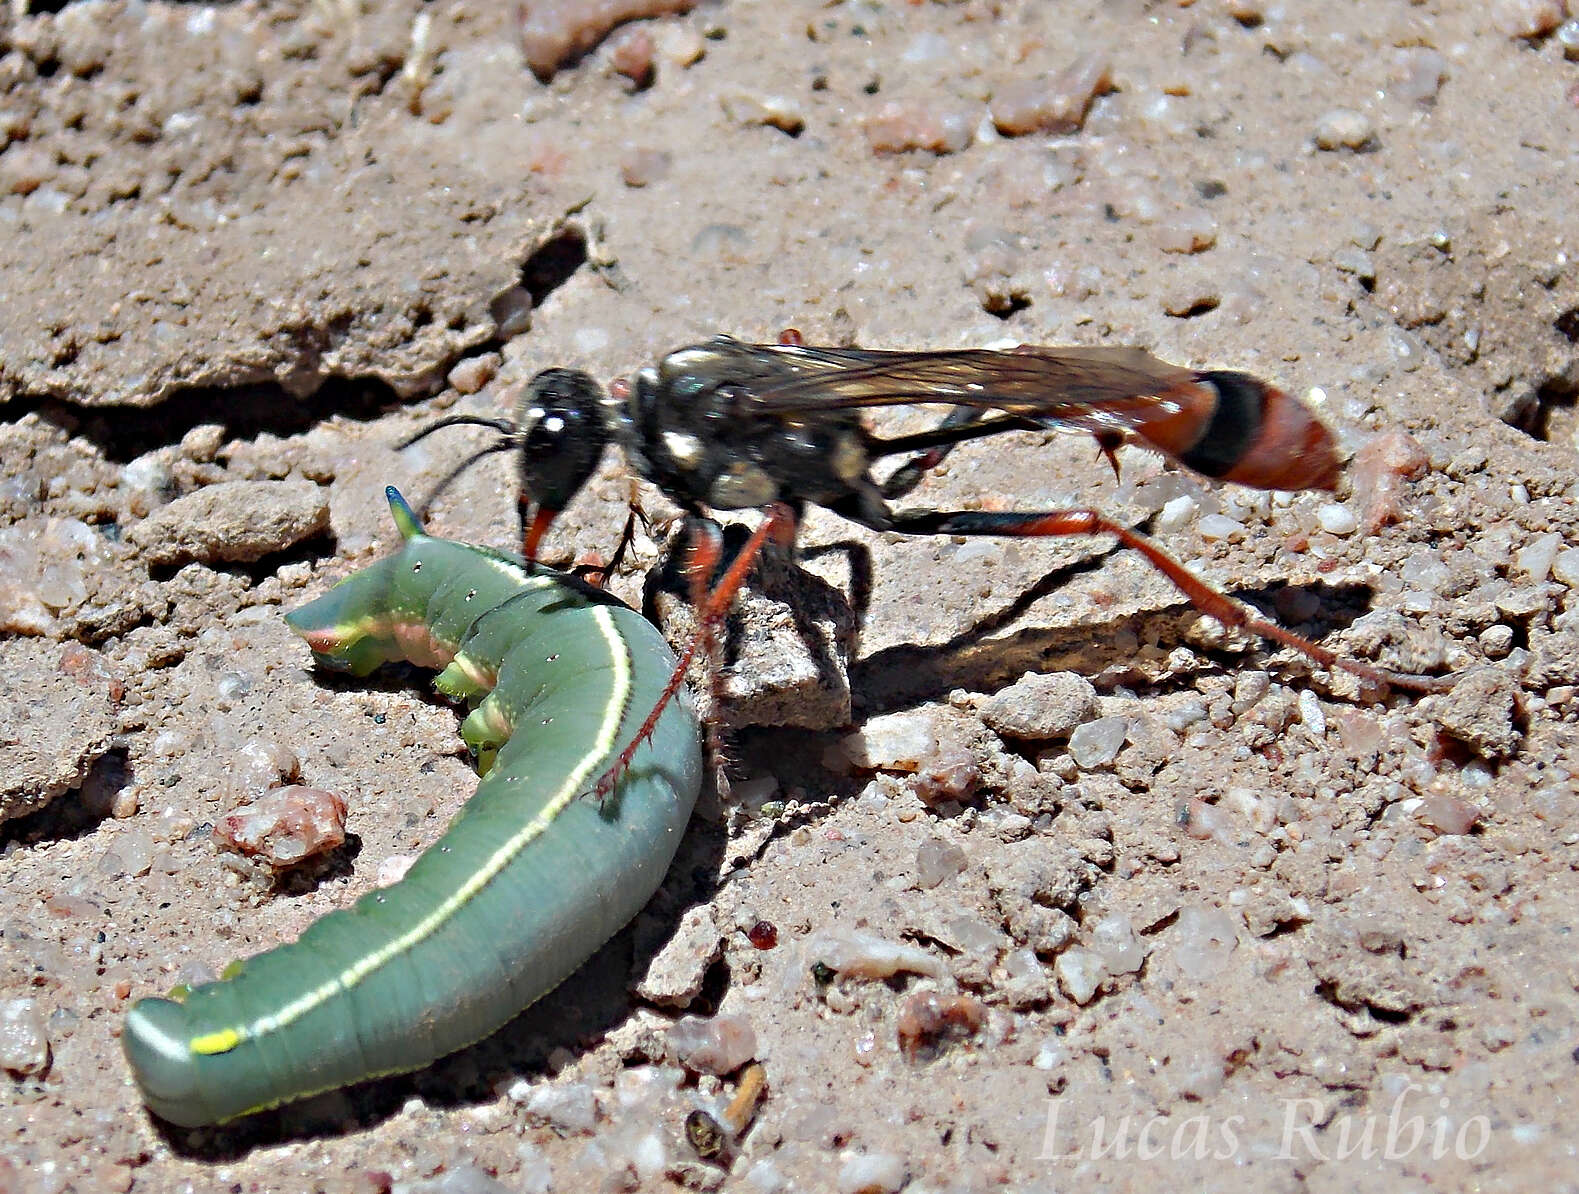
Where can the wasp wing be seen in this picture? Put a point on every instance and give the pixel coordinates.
(1084, 389)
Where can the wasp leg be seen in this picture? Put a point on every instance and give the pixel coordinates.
(1209, 600)
(597, 575)
(712, 601)
(963, 423)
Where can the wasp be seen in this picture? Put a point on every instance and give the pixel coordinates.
(727, 425)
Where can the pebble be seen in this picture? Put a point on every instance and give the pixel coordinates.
(1568, 39)
(676, 975)
(774, 111)
(1425, 571)
(1448, 814)
(1176, 512)
(1113, 938)
(511, 312)
(871, 1173)
(1189, 230)
(24, 1041)
(1080, 972)
(462, 1178)
(1041, 706)
(1202, 940)
(866, 955)
(1336, 519)
(1220, 526)
(1497, 640)
(719, 1045)
(1051, 104)
(937, 860)
(938, 126)
(892, 742)
(1311, 715)
(569, 1107)
(1480, 710)
(259, 765)
(285, 825)
(1565, 567)
(473, 373)
(641, 166)
(1535, 558)
(1344, 128)
(1418, 74)
(235, 521)
(1097, 743)
(1528, 18)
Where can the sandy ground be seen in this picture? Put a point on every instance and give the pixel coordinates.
(1247, 929)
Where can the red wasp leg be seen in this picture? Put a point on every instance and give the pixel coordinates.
(1203, 596)
(712, 606)
(791, 338)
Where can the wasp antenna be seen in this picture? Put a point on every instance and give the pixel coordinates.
(502, 426)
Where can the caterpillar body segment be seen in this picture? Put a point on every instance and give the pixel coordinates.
(530, 878)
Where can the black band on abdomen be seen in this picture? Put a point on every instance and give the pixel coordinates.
(1233, 426)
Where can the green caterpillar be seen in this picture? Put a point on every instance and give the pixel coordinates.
(531, 877)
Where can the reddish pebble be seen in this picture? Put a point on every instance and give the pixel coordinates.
(927, 1017)
(1449, 814)
(285, 825)
(1380, 469)
(763, 935)
(631, 53)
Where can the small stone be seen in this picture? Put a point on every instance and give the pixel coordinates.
(1189, 230)
(1344, 128)
(1448, 814)
(1041, 706)
(1051, 104)
(1528, 18)
(1565, 567)
(24, 1040)
(1535, 558)
(774, 111)
(719, 1045)
(1202, 940)
(1080, 972)
(511, 312)
(1481, 710)
(285, 826)
(1176, 512)
(1568, 39)
(25, 167)
(1311, 715)
(641, 166)
(234, 521)
(1097, 743)
(892, 742)
(862, 954)
(1336, 519)
(676, 975)
(569, 1107)
(1496, 640)
(871, 1173)
(1423, 570)
(937, 860)
(473, 373)
(1220, 526)
(1113, 938)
